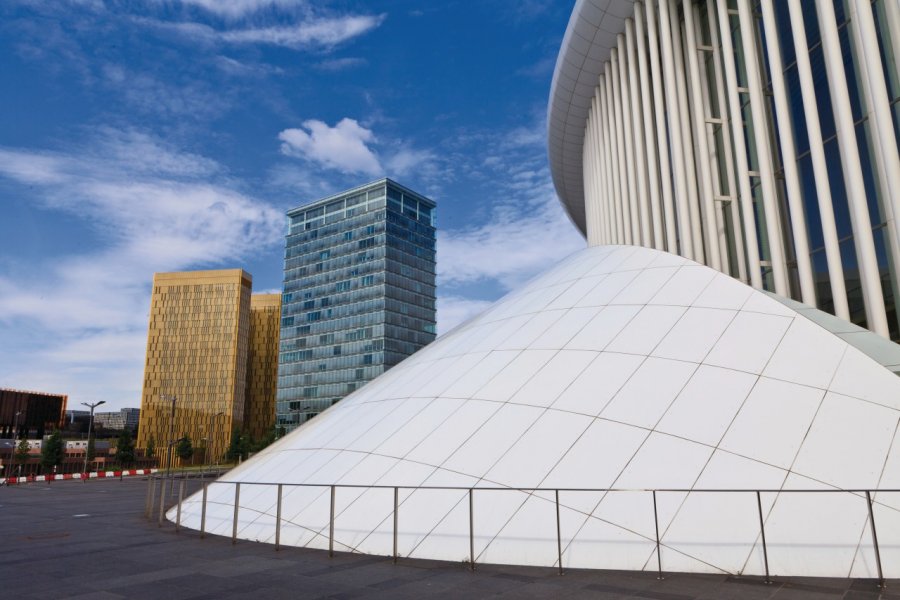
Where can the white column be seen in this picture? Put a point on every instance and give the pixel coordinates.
(715, 160)
(612, 151)
(763, 151)
(728, 158)
(856, 192)
(878, 100)
(740, 147)
(892, 16)
(684, 120)
(629, 156)
(662, 145)
(686, 244)
(621, 157)
(820, 167)
(884, 146)
(607, 168)
(713, 255)
(589, 181)
(647, 115)
(597, 136)
(789, 158)
(640, 149)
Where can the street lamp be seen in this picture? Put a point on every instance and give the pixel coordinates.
(90, 427)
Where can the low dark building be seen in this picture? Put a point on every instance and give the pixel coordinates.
(38, 413)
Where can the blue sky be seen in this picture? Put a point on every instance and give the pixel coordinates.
(160, 135)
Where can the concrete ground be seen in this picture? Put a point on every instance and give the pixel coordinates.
(90, 540)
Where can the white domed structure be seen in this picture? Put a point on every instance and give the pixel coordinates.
(621, 368)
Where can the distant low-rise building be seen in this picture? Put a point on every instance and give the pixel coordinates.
(126, 418)
(30, 414)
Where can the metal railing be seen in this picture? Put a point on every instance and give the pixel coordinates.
(861, 493)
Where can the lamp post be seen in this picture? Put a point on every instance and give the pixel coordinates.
(90, 428)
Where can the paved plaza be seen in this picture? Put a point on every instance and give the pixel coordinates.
(91, 540)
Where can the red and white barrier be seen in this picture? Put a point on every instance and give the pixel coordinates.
(64, 476)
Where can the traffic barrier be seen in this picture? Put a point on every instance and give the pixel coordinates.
(83, 476)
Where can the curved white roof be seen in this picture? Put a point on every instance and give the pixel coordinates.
(590, 36)
(622, 367)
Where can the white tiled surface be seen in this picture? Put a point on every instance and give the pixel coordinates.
(624, 368)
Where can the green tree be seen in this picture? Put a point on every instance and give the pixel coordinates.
(22, 453)
(53, 451)
(239, 446)
(91, 449)
(184, 449)
(125, 448)
(266, 440)
(150, 450)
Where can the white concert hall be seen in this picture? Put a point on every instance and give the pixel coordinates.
(710, 385)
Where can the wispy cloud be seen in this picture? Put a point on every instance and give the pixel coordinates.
(321, 32)
(309, 32)
(453, 310)
(341, 64)
(236, 9)
(152, 209)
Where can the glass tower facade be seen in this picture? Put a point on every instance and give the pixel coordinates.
(359, 294)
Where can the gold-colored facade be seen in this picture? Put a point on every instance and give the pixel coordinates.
(197, 353)
(262, 364)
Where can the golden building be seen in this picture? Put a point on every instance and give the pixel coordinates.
(262, 364)
(197, 354)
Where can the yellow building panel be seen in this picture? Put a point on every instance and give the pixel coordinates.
(262, 364)
(197, 344)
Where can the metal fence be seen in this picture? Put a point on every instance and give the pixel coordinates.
(162, 480)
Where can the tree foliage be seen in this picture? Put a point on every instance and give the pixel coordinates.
(239, 446)
(184, 449)
(22, 452)
(91, 449)
(125, 448)
(53, 451)
(150, 450)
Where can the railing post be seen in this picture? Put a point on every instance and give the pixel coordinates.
(875, 539)
(151, 487)
(331, 526)
(162, 502)
(237, 505)
(558, 535)
(396, 502)
(471, 531)
(762, 531)
(180, 500)
(659, 574)
(278, 521)
(203, 513)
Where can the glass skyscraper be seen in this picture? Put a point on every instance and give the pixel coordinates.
(359, 294)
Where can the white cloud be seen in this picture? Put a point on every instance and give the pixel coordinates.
(77, 322)
(235, 9)
(343, 147)
(453, 310)
(341, 64)
(348, 148)
(309, 32)
(325, 32)
(406, 160)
